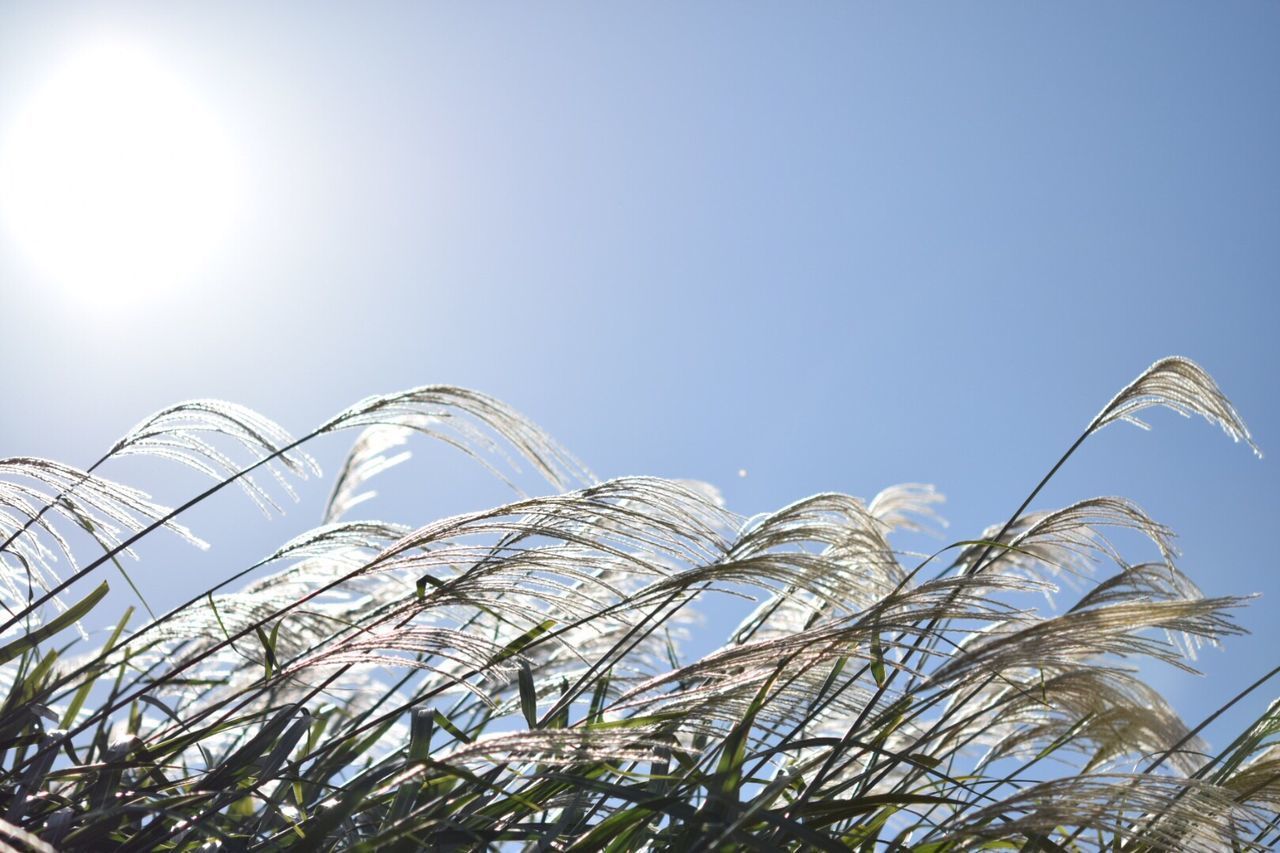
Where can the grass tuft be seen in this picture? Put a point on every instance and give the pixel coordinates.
(511, 678)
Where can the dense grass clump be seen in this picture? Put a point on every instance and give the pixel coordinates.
(512, 678)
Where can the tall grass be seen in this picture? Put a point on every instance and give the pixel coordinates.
(512, 678)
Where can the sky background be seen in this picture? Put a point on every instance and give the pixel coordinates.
(839, 246)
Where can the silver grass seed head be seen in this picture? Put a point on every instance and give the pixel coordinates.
(1179, 384)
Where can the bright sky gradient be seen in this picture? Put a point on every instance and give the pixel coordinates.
(836, 245)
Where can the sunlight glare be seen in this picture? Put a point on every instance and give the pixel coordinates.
(114, 179)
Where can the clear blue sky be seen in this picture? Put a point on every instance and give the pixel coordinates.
(837, 245)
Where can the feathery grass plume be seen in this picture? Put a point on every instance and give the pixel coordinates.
(181, 433)
(907, 506)
(111, 507)
(831, 550)
(1179, 384)
(367, 458)
(473, 423)
(1094, 632)
(1066, 542)
(107, 511)
(1099, 716)
(513, 678)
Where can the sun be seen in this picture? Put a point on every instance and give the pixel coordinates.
(115, 180)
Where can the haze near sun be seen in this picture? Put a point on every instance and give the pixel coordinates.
(116, 181)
